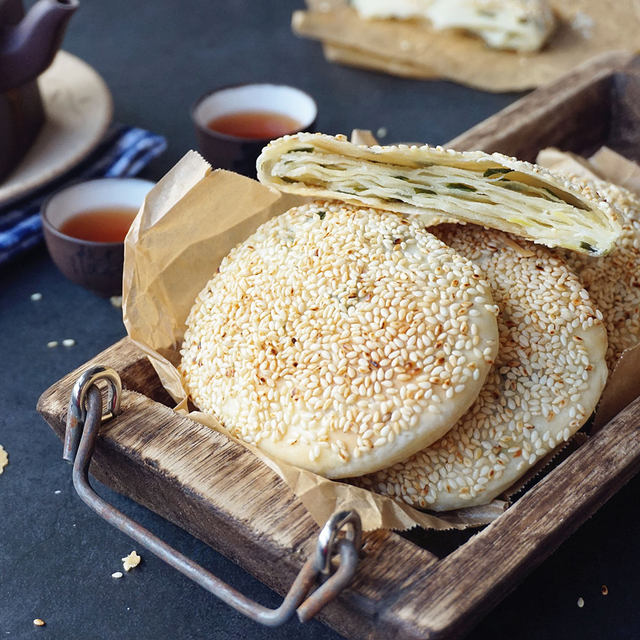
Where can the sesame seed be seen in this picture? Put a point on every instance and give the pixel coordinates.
(52, 344)
(35, 297)
(39, 622)
(580, 603)
(68, 342)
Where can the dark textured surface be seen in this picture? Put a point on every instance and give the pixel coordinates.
(56, 557)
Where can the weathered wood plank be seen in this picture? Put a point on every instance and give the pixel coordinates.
(223, 495)
(482, 571)
(573, 113)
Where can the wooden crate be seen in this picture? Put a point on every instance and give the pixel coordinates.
(220, 493)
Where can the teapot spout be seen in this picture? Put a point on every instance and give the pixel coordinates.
(29, 47)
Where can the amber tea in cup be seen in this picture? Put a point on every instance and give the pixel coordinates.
(85, 225)
(254, 125)
(234, 123)
(107, 224)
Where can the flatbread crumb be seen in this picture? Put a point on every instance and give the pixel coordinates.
(131, 561)
(4, 459)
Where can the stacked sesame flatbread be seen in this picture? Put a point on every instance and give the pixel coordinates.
(613, 281)
(546, 381)
(432, 364)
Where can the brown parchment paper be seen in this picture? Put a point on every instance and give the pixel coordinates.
(412, 48)
(567, 163)
(189, 221)
(616, 168)
(353, 57)
(623, 387)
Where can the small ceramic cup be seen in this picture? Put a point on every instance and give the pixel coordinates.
(95, 265)
(239, 154)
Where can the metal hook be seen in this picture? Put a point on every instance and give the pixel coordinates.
(327, 538)
(83, 422)
(77, 411)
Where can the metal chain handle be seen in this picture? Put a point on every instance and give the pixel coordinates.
(83, 422)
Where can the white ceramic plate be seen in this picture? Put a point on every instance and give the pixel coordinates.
(78, 109)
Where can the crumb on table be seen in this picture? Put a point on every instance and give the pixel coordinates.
(131, 561)
(4, 459)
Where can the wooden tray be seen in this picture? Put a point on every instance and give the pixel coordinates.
(220, 493)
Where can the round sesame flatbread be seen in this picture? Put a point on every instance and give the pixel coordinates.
(340, 339)
(613, 281)
(548, 376)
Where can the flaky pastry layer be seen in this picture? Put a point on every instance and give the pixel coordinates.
(492, 190)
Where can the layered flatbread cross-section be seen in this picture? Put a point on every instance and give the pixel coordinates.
(492, 190)
(522, 25)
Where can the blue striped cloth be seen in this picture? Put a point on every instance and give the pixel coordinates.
(123, 153)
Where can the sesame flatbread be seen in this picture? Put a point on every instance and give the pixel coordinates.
(548, 376)
(340, 339)
(471, 186)
(613, 281)
(521, 25)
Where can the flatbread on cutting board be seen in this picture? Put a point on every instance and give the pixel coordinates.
(586, 28)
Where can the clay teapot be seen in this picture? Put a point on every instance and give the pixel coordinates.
(28, 44)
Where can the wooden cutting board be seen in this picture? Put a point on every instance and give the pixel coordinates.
(219, 492)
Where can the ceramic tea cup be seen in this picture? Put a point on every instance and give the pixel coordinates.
(234, 123)
(84, 228)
